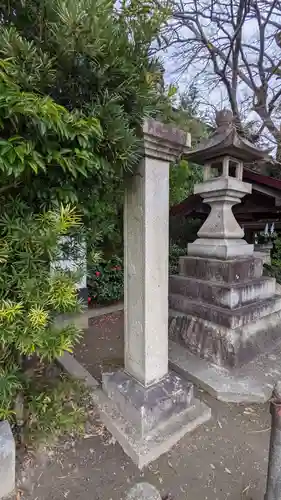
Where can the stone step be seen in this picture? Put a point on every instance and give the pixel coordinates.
(221, 271)
(228, 295)
(223, 346)
(230, 318)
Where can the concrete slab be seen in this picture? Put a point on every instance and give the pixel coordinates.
(252, 383)
(142, 451)
(7, 460)
(76, 370)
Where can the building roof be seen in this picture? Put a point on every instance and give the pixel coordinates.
(225, 141)
(268, 186)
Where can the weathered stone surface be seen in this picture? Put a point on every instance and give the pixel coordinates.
(224, 346)
(144, 450)
(230, 318)
(221, 236)
(245, 385)
(219, 271)
(220, 248)
(7, 460)
(148, 407)
(76, 370)
(229, 295)
(147, 410)
(143, 491)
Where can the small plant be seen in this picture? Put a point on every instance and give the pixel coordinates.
(106, 281)
(52, 409)
(175, 253)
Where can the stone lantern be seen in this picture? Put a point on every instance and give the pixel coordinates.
(223, 312)
(223, 156)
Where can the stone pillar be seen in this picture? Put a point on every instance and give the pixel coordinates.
(145, 407)
(146, 215)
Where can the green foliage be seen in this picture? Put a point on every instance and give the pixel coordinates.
(274, 269)
(175, 252)
(30, 295)
(76, 81)
(183, 176)
(106, 281)
(54, 409)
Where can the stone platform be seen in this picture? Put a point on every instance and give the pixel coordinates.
(223, 312)
(147, 422)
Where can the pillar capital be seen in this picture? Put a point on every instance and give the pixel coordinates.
(164, 142)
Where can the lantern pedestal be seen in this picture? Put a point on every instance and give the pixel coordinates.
(223, 312)
(221, 236)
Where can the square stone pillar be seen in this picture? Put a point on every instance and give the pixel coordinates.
(146, 216)
(145, 407)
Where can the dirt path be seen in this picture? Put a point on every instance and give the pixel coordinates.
(224, 459)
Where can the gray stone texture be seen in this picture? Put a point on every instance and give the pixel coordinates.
(229, 295)
(220, 271)
(221, 236)
(230, 318)
(250, 384)
(224, 346)
(143, 450)
(7, 460)
(148, 407)
(76, 370)
(224, 311)
(143, 491)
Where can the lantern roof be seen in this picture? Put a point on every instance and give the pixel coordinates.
(225, 141)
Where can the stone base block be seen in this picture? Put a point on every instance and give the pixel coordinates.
(221, 316)
(147, 407)
(229, 295)
(144, 449)
(252, 384)
(7, 460)
(224, 346)
(220, 248)
(221, 271)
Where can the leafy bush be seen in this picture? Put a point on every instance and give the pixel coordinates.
(106, 278)
(31, 296)
(106, 281)
(76, 81)
(274, 269)
(175, 252)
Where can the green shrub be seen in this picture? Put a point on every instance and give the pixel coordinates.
(106, 281)
(175, 252)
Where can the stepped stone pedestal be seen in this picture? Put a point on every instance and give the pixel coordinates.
(146, 407)
(222, 310)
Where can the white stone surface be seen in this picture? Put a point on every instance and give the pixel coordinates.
(221, 236)
(146, 247)
(143, 491)
(146, 216)
(220, 248)
(7, 460)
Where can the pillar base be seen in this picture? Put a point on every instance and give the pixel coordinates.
(147, 422)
